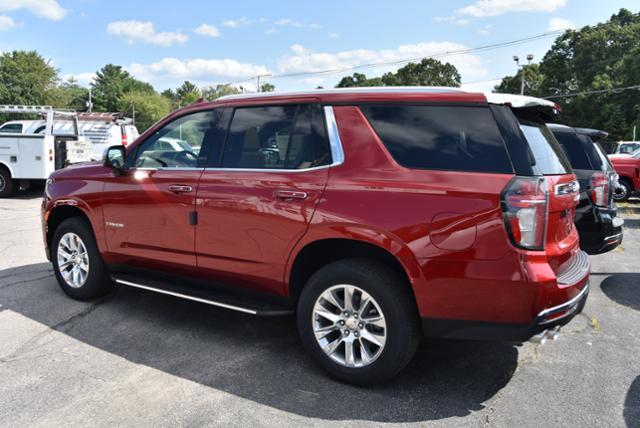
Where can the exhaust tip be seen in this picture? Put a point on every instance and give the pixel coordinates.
(542, 337)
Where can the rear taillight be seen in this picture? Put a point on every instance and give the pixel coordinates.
(525, 203)
(599, 189)
(125, 141)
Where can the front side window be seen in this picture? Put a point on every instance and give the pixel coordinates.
(178, 143)
(276, 137)
(12, 128)
(457, 138)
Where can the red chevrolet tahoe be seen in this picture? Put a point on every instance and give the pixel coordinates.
(377, 216)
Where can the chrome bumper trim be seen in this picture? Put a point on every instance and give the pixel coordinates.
(569, 307)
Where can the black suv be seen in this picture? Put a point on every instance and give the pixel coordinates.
(599, 228)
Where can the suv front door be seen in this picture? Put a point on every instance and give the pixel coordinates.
(255, 201)
(149, 210)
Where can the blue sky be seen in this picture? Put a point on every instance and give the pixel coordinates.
(213, 42)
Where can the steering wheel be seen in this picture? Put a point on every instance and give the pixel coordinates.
(186, 157)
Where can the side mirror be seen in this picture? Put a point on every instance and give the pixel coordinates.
(114, 158)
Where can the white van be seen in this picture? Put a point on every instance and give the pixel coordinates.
(103, 130)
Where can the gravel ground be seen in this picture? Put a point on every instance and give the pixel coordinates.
(141, 359)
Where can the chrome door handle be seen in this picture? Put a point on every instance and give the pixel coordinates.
(179, 188)
(290, 194)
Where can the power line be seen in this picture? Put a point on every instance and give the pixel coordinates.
(598, 91)
(402, 61)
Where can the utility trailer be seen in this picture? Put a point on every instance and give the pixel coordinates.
(27, 159)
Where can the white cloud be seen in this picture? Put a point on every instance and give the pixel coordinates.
(556, 24)
(82, 79)
(207, 30)
(6, 23)
(137, 31)
(499, 7)
(270, 30)
(210, 70)
(301, 59)
(453, 19)
(333, 35)
(49, 9)
(235, 23)
(297, 24)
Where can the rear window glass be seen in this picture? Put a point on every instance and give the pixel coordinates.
(455, 138)
(606, 163)
(574, 148)
(548, 157)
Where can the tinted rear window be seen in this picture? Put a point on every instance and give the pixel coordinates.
(458, 138)
(548, 156)
(574, 147)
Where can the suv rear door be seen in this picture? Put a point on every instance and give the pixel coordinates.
(259, 192)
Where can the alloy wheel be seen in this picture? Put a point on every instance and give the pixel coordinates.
(349, 325)
(73, 260)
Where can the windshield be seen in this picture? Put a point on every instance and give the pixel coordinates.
(549, 156)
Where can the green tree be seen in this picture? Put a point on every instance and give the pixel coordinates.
(211, 93)
(532, 81)
(597, 58)
(26, 78)
(267, 87)
(187, 93)
(358, 80)
(149, 107)
(428, 72)
(112, 82)
(69, 95)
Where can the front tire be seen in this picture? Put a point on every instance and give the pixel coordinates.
(358, 321)
(77, 263)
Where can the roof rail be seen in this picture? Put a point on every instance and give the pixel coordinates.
(356, 90)
(24, 109)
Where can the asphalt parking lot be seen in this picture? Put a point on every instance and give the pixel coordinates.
(141, 359)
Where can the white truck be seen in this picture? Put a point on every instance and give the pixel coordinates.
(29, 158)
(103, 130)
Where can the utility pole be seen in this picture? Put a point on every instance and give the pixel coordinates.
(258, 79)
(89, 103)
(133, 113)
(516, 58)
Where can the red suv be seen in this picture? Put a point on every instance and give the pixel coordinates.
(376, 215)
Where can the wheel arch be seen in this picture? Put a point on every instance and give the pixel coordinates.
(60, 213)
(314, 254)
(4, 165)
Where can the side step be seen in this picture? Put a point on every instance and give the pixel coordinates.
(234, 301)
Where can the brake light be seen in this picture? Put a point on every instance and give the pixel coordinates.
(599, 189)
(525, 203)
(125, 140)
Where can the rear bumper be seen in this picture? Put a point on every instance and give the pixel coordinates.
(600, 230)
(478, 330)
(555, 303)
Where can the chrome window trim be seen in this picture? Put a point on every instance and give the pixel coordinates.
(337, 152)
(335, 143)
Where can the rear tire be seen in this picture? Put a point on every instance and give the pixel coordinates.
(389, 304)
(622, 193)
(6, 183)
(77, 263)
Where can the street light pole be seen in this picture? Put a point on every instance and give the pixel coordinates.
(516, 58)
